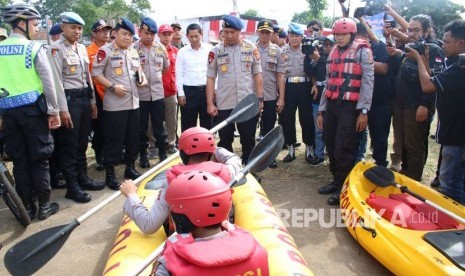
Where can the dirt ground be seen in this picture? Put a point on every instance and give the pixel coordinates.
(329, 250)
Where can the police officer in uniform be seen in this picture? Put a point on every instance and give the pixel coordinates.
(345, 102)
(26, 76)
(154, 60)
(76, 99)
(298, 87)
(117, 67)
(273, 67)
(236, 62)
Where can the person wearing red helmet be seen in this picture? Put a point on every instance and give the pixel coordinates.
(345, 102)
(197, 149)
(206, 244)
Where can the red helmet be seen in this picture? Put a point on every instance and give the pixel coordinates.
(202, 197)
(344, 26)
(197, 140)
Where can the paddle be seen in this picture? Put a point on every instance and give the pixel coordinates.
(383, 177)
(263, 154)
(30, 254)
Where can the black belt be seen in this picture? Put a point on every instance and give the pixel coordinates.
(82, 92)
(200, 87)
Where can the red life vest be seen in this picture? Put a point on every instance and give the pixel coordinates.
(236, 253)
(218, 169)
(345, 73)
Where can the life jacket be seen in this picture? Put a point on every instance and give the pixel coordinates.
(345, 72)
(218, 169)
(236, 253)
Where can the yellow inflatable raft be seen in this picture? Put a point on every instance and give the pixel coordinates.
(253, 211)
(401, 232)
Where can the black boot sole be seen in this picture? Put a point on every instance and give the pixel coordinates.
(81, 199)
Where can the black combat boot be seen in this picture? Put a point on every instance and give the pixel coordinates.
(162, 154)
(99, 161)
(329, 189)
(47, 209)
(31, 209)
(110, 178)
(130, 172)
(144, 160)
(75, 192)
(88, 184)
(290, 155)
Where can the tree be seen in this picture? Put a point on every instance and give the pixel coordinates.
(316, 8)
(302, 17)
(89, 13)
(449, 11)
(251, 12)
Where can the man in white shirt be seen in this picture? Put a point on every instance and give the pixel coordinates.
(191, 79)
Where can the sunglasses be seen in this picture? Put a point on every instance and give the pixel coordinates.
(315, 29)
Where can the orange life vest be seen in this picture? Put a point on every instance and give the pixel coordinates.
(345, 73)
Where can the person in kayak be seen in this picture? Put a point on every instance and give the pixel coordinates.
(205, 243)
(196, 149)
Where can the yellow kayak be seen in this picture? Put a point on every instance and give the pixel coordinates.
(253, 211)
(403, 233)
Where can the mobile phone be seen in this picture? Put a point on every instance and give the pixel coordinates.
(462, 60)
(390, 23)
(138, 76)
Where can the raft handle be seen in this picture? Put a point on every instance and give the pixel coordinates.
(373, 231)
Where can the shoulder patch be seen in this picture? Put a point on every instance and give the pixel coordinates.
(370, 57)
(54, 52)
(101, 55)
(211, 57)
(256, 54)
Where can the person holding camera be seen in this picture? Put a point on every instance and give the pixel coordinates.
(314, 28)
(298, 87)
(115, 68)
(76, 98)
(449, 84)
(413, 109)
(345, 102)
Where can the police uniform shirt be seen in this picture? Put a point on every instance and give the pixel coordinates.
(272, 63)
(368, 72)
(235, 66)
(44, 70)
(119, 67)
(450, 103)
(153, 60)
(294, 59)
(70, 68)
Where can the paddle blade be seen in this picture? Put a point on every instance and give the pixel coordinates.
(245, 110)
(380, 176)
(266, 151)
(32, 253)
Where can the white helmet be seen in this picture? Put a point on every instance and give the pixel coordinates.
(19, 11)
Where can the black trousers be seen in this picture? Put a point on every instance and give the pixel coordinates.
(196, 107)
(298, 96)
(29, 143)
(268, 117)
(121, 130)
(97, 127)
(246, 131)
(340, 136)
(71, 144)
(156, 111)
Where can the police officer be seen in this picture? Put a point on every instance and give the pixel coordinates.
(273, 67)
(26, 76)
(76, 99)
(154, 60)
(298, 86)
(345, 102)
(236, 62)
(115, 68)
(55, 32)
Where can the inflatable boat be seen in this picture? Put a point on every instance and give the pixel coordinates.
(406, 235)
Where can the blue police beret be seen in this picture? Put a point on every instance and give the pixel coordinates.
(71, 18)
(233, 22)
(276, 28)
(55, 29)
(282, 33)
(148, 24)
(295, 28)
(124, 23)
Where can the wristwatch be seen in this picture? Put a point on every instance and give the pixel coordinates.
(364, 111)
(112, 87)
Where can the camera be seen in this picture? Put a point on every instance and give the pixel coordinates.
(418, 45)
(462, 60)
(372, 7)
(389, 23)
(309, 44)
